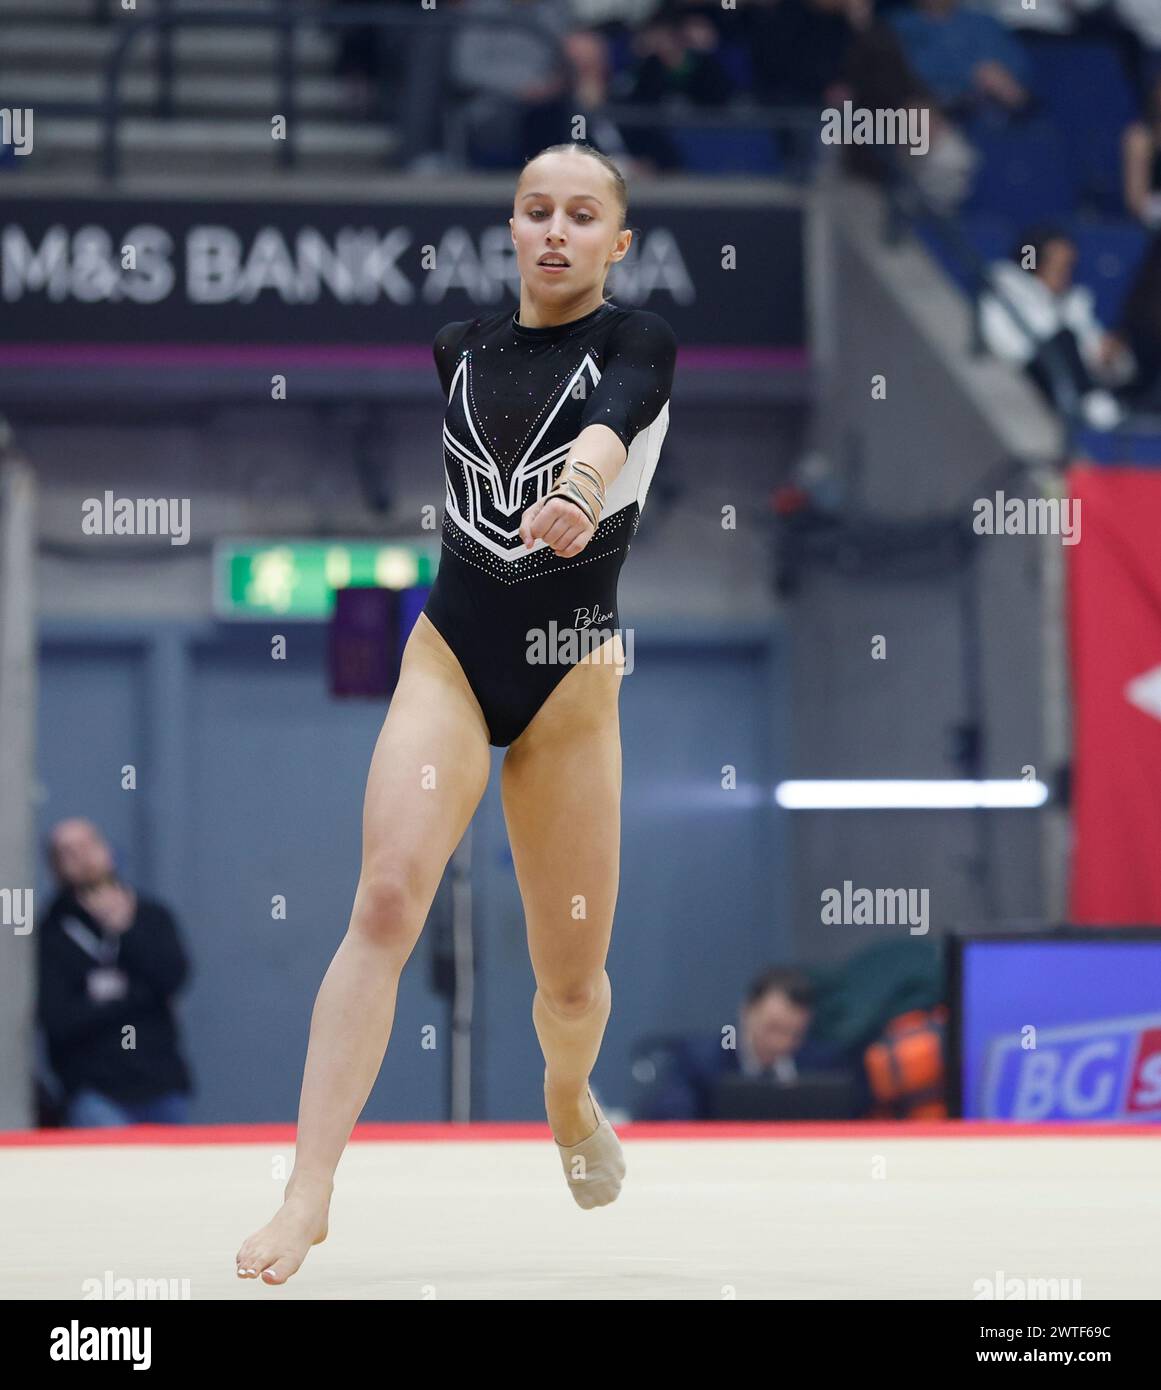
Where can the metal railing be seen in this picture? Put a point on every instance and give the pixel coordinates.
(289, 18)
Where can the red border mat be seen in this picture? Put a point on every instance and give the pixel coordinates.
(433, 1133)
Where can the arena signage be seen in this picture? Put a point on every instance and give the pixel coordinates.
(1056, 1026)
(116, 271)
(1107, 1069)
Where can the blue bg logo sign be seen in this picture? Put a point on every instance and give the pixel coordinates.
(1106, 1070)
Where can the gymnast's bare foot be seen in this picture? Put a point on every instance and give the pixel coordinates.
(276, 1251)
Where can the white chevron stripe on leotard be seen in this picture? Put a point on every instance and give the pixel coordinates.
(486, 486)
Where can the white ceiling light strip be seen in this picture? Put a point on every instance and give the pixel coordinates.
(899, 794)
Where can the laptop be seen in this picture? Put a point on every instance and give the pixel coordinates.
(820, 1095)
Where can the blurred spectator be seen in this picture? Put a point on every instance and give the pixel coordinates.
(591, 61)
(1142, 162)
(1054, 334)
(110, 964)
(676, 60)
(1043, 17)
(1143, 19)
(510, 97)
(771, 1042)
(879, 78)
(369, 59)
(399, 74)
(519, 97)
(1141, 327)
(1134, 26)
(966, 58)
(614, 15)
(1048, 22)
(799, 48)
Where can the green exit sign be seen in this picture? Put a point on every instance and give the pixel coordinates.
(298, 579)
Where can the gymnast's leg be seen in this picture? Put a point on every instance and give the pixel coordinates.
(428, 772)
(561, 789)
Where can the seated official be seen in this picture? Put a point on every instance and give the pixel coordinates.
(771, 1042)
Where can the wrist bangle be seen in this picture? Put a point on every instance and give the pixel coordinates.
(584, 486)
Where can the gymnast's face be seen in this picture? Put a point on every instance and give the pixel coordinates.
(776, 1026)
(566, 204)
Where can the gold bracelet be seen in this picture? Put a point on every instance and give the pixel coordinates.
(584, 476)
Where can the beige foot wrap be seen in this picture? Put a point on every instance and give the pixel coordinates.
(595, 1167)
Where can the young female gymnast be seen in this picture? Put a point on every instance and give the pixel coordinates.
(554, 422)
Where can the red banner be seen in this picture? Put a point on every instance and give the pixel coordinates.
(1114, 592)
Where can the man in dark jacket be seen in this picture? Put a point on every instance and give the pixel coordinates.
(771, 1042)
(110, 964)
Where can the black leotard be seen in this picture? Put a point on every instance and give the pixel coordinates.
(517, 398)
